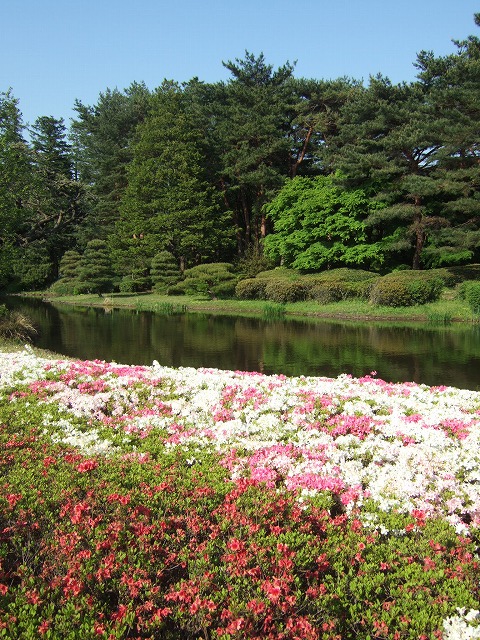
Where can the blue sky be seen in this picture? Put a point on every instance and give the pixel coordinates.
(54, 51)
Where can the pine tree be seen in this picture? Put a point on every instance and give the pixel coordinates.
(60, 202)
(452, 83)
(168, 203)
(388, 143)
(95, 271)
(101, 137)
(164, 271)
(69, 273)
(253, 128)
(15, 174)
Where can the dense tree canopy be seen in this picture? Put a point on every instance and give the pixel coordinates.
(318, 224)
(316, 173)
(168, 203)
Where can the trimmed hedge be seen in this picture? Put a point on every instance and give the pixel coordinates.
(251, 289)
(279, 273)
(337, 290)
(342, 274)
(462, 273)
(285, 291)
(406, 289)
(470, 291)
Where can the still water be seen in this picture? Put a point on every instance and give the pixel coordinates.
(430, 355)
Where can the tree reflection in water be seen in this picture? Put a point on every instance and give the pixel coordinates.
(419, 353)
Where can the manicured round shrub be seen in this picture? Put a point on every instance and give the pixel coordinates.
(251, 289)
(69, 273)
(64, 287)
(279, 273)
(285, 291)
(132, 283)
(95, 271)
(70, 264)
(462, 273)
(176, 289)
(343, 274)
(470, 291)
(336, 290)
(327, 292)
(395, 290)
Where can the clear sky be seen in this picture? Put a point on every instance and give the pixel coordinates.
(54, 51)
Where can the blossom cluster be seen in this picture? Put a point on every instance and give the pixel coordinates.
(405, 446)
(151, 502)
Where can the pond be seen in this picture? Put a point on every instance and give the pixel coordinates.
(398, 353)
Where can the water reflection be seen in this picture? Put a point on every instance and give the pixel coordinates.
(433, 356)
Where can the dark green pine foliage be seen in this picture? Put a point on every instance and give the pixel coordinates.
(165, 271)
(59, 202)
(101, 137)
(70, 264)
(95, 271)
(69, 273)
(15, 187)
(169, 204)
(255, 150)
(453, 85)
(315, 122)
(389, 143)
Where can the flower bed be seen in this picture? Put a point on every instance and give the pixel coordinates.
(150, 502)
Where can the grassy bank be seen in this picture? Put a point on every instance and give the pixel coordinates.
(442, 311)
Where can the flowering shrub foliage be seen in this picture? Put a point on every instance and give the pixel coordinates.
(149, 502)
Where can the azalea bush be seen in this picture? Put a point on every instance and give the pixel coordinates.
(150, 502)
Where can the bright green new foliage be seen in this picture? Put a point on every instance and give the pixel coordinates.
(317, 225)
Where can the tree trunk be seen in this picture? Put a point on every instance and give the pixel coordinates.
(246, 218)
(302, 153)
(419, 231)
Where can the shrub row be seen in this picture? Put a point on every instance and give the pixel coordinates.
(470, 291)
(399, 289)
(396, 290)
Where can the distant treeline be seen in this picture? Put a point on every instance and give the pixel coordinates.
(264, 168)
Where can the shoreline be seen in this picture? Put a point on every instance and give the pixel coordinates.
(444, 312)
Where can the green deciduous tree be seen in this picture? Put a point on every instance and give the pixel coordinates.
(318, 224)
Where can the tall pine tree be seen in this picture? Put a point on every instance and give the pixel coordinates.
(60, 202)
(15, 187)
(102, 136)
(253, 128)
(168, 203)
